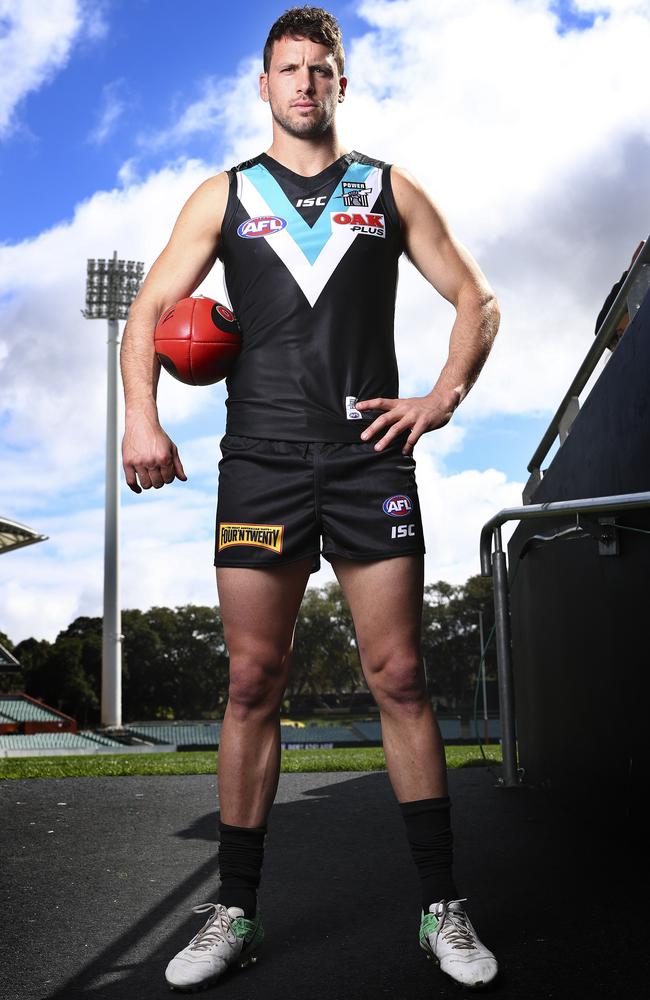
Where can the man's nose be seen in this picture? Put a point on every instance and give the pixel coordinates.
(304, 81)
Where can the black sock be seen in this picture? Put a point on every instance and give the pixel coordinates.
(241, 852)
(428, 828)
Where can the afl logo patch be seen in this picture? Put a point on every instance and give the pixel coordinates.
(261, 225)
(398, 505)
(224, 312)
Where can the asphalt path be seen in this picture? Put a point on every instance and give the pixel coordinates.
(99, 876)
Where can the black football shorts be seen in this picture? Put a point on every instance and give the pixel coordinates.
(277, 498)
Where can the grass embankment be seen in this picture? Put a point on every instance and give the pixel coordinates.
(108, 765)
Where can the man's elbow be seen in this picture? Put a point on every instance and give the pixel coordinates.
(480, 298)
(149, 304)
(482, 306)
(492, 310)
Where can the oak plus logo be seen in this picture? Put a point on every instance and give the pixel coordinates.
(365, 223)
(261, 225)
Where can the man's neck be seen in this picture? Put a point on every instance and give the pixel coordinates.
(306, 156)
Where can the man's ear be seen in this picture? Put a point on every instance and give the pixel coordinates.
(264, 87)
(343, 82)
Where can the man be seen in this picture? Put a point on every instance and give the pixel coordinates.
(317, 442)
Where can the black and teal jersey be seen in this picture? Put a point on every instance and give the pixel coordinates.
(310, 268)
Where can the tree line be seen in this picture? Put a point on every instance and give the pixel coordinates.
(175, 660)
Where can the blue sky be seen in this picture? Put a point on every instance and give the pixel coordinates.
(571, 18)
(519, 117)
(149, 62)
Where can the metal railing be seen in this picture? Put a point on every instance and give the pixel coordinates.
(569, 407)
(493, 563)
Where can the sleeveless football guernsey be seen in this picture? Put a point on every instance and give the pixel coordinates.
(310, 267)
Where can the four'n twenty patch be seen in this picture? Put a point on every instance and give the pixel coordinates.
(265, 536)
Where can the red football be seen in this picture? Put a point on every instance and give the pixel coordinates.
(197, 341)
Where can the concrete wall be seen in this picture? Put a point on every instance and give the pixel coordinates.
(580, 620)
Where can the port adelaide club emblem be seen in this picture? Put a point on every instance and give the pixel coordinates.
(355, 194)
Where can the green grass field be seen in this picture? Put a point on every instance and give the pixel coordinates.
(109, 765)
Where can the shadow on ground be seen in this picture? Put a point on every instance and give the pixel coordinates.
(100, 875)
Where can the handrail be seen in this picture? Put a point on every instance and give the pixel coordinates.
(494, 564)
(555, 508)
(589, 363)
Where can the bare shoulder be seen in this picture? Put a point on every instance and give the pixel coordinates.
(404, 183)
(217, 184)
(413, 202)
(402, 179)
(213, 191)
(204, 210)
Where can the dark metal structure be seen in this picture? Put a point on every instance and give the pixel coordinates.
(571, 621)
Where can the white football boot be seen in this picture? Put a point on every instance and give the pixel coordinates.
(227, 939)
(447, 936)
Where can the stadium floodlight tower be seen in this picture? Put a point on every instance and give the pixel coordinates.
(111, 287)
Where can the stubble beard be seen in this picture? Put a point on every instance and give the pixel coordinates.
(305, 128)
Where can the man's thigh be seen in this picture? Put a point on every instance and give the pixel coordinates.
(385, 598)
(259, 608)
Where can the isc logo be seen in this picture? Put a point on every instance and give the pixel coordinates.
(310, 202)
(402, 530)
(398, 505)
(261, 225)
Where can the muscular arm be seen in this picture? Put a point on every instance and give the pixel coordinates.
(454, 273)
(148, 454)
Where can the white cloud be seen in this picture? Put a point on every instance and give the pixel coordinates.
(167, 553)
(113, 107)
(54, 361)
(535, 146)
(641, 7)
(35, 43)
(228, 107)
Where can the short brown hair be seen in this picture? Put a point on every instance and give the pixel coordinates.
(309, 22)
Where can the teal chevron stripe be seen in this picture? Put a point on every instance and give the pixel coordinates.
(310, 239)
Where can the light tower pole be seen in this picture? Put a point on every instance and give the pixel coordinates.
(111, 287)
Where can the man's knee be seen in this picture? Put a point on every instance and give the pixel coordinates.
(258, 679)
(398, 680)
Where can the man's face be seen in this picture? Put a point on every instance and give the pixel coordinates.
(302, 86)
